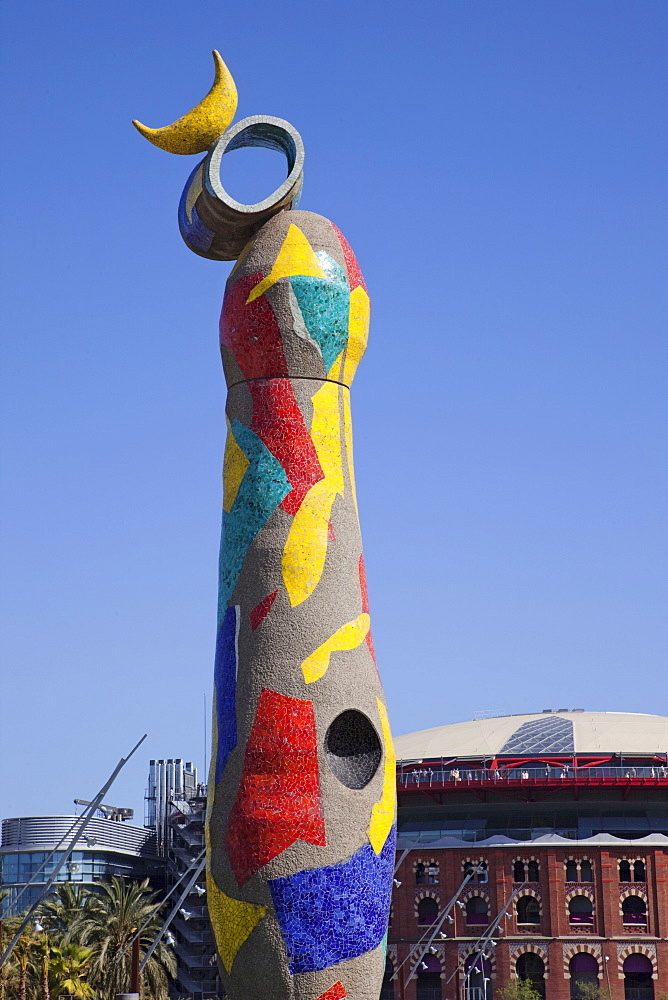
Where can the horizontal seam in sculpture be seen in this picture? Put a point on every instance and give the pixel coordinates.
(294, 378)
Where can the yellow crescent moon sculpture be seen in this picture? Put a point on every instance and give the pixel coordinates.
(196, 130)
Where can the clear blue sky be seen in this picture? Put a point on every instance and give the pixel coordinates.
(499, 167)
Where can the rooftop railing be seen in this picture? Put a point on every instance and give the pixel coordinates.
(553, 775)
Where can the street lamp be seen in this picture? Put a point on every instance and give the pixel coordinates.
(607, 976)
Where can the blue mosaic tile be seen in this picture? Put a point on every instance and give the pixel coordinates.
(263, 487)
(324, 306)
(225, 681)
(196, 235)
(337, 912)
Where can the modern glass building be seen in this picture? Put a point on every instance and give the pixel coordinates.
(107, 848)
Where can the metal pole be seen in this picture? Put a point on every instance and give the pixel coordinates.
(134, 978)
(206, 747)
(160, 905)
(437, 926)
(484, 939)
(44, 864)
(402, 858)
(172, 914)
(77, 835)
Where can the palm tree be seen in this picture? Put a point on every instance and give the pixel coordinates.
(107, 926)
(70, 965)
(43, 950)
(24, 958)
(64, 908)
(10, 974)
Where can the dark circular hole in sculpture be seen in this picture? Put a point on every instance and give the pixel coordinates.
(353, 749)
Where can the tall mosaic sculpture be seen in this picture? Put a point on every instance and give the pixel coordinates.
(301, 821)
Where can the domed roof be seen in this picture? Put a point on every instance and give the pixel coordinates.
(561, 732)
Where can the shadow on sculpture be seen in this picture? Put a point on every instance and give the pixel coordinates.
(301, 818)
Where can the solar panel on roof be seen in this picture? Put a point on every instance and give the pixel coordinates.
(540, 736)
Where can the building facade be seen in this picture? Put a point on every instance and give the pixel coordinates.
(176, 808)
(562, 818)
(107, 848)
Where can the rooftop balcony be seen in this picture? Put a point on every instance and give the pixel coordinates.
(434, 777)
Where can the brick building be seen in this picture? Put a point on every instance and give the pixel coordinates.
(557, 823)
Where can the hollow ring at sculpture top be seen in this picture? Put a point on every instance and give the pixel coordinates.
(230, 223)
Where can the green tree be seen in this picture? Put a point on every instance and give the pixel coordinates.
(25, 961)
(518, 989)
(42, 966)
(64, 908)
(108, 925)
(69, 970)
(588, 990)
(10, 974)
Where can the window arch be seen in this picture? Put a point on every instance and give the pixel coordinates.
(478, 976)
(477, 911)
(533, 871)
(583, 969)
(427, 911)
(432, 872)
(429, 984)
(579, 870)
(519, 871)
(634, 910)
(482, 875)
(420, 873)
(638, 982)
(639, 872)
(531, 968)
(528, 910)
(580, 910)
(624, 871)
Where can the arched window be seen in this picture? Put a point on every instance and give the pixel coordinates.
(387, 991)
(634, 910)
(624, 871)
(584, 974)
(638, 982)
(528, 910)
(572, 871)
(432, 873)
(581, 910)
(533, 873)
(429, 978)
(477, 911)
(531, 968)
(427, 911)
(477, 977)
(586, 874)
(481, 875)
(420, 874)
(639, 874)
(518, 872)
